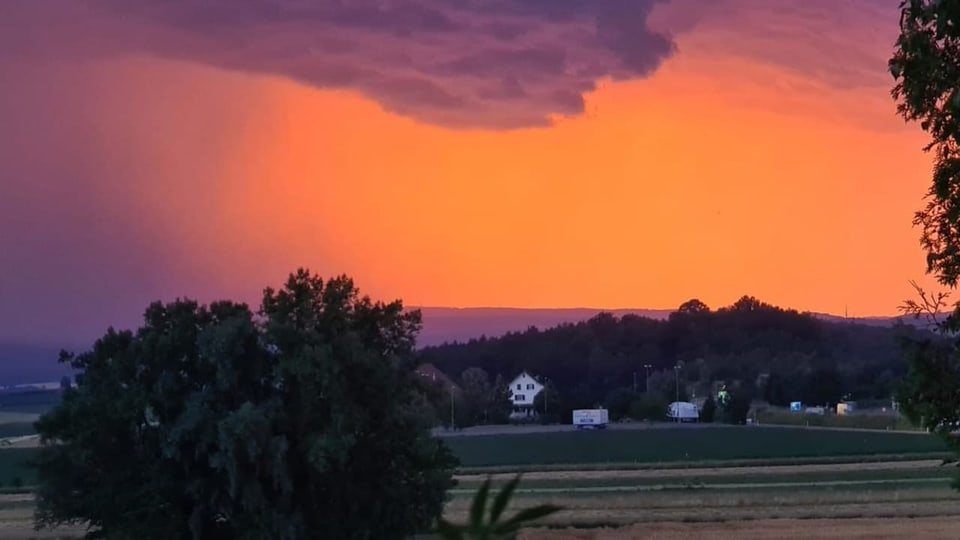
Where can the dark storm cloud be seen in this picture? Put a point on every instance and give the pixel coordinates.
(461, 63)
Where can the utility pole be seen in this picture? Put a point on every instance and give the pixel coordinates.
(676, 371)
(647, 379)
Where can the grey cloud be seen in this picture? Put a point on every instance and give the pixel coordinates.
(458, 63)
(844, 44)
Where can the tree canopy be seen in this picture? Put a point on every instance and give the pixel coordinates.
(926, 69)
(775, 354)
(217, 422)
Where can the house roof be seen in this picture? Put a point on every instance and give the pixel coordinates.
(527, 373)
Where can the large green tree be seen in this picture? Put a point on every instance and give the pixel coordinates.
(926, 69)
(214, 422)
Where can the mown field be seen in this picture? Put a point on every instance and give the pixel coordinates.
(682, 444)
(757, 482)
(671, 503)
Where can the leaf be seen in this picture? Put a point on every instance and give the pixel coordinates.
(896, 70)
(479, 504)
(503, 497)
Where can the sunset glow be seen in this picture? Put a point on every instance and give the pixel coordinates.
(720, 174)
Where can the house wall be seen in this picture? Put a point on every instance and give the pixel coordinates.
(523, 390)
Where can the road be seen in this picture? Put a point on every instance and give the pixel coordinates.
(509, 429)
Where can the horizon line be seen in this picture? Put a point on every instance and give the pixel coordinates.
(670, 310)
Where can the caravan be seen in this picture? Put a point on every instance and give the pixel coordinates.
(683, 411)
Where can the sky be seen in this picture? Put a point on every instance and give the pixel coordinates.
(515, 153)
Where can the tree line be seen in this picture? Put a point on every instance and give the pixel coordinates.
(636, 365)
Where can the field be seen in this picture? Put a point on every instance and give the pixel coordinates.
(682, 482)
(858, 420)
(681, 444)
(675, 481)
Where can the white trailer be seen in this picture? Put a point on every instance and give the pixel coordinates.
(590, 418)
(683, 411)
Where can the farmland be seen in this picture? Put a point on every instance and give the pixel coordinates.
(681, 444)
(672, 481)
(677, 482)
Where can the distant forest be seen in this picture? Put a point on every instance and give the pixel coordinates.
(761, 351)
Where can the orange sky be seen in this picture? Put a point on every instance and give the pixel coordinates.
(661, 193)
(762, 156)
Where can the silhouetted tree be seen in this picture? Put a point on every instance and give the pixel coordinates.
(618, 402)
(210, 423)
(551, 405)
(650, 407)
(693, 306)
(926, 67)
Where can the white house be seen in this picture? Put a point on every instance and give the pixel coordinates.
(523, 390)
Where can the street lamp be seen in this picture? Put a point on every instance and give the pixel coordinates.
(647, 379)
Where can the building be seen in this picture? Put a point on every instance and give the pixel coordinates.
(523, 391)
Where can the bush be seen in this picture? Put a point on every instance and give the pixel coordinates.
(618, 403)
(709, 410)
(649, 407)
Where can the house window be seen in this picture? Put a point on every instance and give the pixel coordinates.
(529, 387)
(519, 397)
(519, 386)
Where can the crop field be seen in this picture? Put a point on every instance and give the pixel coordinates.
(14, 464)
(758, 482)
(677, 445)
(680, 482)
(659, 503)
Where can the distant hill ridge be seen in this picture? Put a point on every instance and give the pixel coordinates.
(34, 362)
(444, 324)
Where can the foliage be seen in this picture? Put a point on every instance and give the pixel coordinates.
(548, 404)
(618, 402)
(926, 68)
(491, 527)
(930, 394)
(483, 402)
(650, 407)
(742, 342)
(737, 410)
(211, 422)
(709, 410)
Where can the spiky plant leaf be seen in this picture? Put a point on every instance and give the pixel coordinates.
(503, 497)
